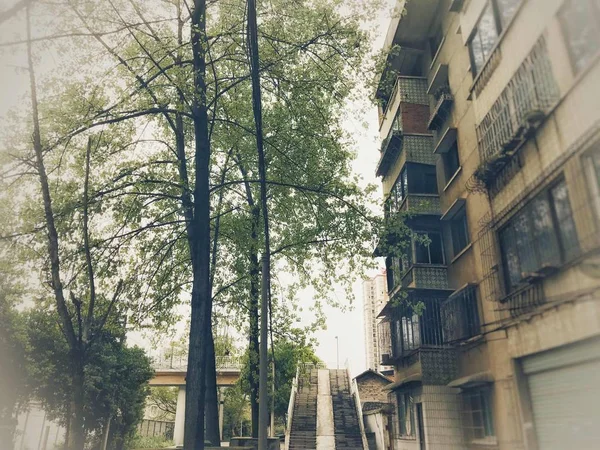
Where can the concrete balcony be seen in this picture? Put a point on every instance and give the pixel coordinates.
(408, 105)
(422, 204)
(400, 148)
(426, 276)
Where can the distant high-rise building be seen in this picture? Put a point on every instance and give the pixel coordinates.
(374, 299)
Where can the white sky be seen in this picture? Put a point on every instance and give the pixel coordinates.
(348, 326)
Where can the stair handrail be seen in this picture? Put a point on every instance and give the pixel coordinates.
(290, 412)
(357, 405)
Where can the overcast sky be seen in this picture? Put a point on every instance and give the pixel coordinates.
(348, 326)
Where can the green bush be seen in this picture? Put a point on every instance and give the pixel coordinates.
(149, 442)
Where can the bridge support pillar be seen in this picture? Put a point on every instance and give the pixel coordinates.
(179, 418)
(221, 411)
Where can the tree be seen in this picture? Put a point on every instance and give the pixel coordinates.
(13, 370)
(116, 378)
(288, 354)
(196, 95)
(164, 399)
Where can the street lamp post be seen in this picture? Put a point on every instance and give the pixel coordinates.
(337, 351)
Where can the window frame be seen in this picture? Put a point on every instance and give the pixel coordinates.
(446, 157)
(595, 7)
(414, 248)
(484, 395)
(499, 26)
(591, 166)
(524, 215)
(460, 219)
(406, 416)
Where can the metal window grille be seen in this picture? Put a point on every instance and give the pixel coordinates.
(523, 104)
(460, 316)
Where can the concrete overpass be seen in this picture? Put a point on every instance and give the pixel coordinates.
(228, 372)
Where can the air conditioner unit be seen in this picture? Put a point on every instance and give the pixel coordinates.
(546, 270)
(530, 277)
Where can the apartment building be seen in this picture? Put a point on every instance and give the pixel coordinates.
(490, 126)
(375, 297)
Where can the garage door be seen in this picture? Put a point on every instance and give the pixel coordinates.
(564, 385)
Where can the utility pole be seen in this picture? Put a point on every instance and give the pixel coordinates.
(263, 406)
(337, 352)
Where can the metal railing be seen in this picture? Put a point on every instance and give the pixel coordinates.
(411, 330)
(528, 97)
(525, 299)
(440, 110)
(290, 411)
(234, 363)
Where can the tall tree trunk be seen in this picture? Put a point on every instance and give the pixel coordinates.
(212, 398)
(263, 406)
(200, 241)
(77, 428)
(253, 315)
(76, 432)
(253, 320)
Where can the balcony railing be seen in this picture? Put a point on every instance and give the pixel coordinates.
(224, 363)
(426, 276)
(423, 204)
(407, 90)
(525, 299)
(460, 315)
(440, 110)
(521, 107)
(411, 331)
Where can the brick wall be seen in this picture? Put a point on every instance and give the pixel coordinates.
(370, 388)
(414, 118)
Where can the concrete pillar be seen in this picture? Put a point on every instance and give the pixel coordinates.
(179, 418)
(221, 413)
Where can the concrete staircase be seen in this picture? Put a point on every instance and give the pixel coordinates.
(324, 415)
(347, 429)
(303, 434)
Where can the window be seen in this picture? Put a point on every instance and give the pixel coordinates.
(435, 42)
(496, 16)
(421, 179)
(542, 235)
(484, 39)
(428, 248)
(580, 21)
(591, 164)
(460, 231)
(413, 179)
(411, 336)
(406, 415)
(506, 10)
(451, 162)
(477, 413)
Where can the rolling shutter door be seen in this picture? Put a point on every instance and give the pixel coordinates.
(564, 387)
